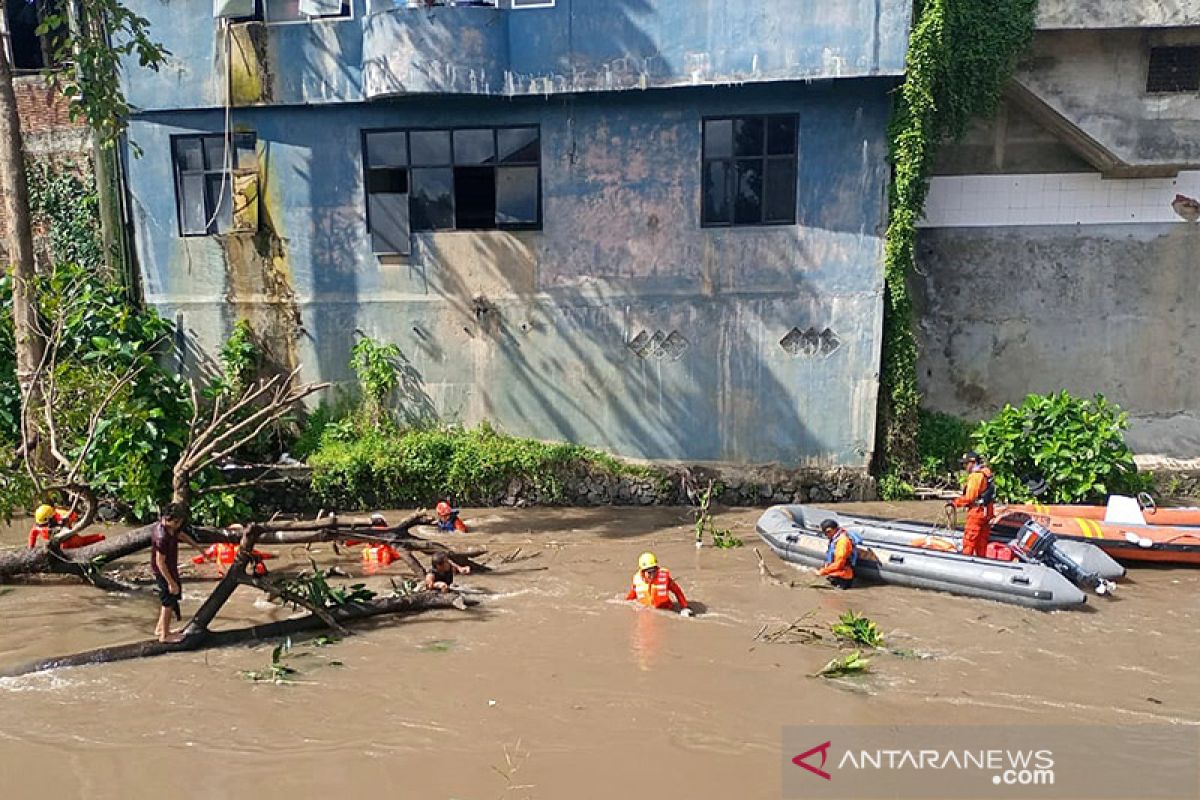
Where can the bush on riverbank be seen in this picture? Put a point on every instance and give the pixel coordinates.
(388, 467)
(1076, 445)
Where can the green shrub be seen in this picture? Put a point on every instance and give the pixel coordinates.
(1076, 445)
(941, 441)
(893, 487)
(356, 468)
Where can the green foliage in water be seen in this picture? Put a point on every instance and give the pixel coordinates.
(851, 664)
(314, 586)
(858, 629)
(960, 54)
(1076, 445)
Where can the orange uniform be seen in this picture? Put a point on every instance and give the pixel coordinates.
(841, 563)
(977, 499)
(62, 518)
(656, 593)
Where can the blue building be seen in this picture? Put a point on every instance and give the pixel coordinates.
(651, 226)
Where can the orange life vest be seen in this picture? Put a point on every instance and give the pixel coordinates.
(379, 554)
(657, 593)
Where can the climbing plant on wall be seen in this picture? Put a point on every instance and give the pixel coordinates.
(960, 54)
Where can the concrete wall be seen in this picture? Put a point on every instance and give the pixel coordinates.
(1006, 311)
(1117, 13)
(533, 330)
(1095, 81)
(578, 45)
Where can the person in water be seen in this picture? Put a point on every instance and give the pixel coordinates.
(440, 576)
(841, 556)
(653, 586)
(447, 519)
(49, 520)
(977, 497)
(164, 563)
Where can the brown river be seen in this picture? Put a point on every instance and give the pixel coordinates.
(556, 688)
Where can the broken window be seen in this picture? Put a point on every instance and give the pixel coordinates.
(1174, 69)
(27, 50)
(748, 171)
(451, 179)
(216, 189)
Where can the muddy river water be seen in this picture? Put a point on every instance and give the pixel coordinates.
(554, 687)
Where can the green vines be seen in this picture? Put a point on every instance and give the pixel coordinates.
(960, 54)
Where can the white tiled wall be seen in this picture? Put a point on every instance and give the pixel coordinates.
(1067, 199)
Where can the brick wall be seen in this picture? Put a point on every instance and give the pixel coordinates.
(46, 121)
(49, 135)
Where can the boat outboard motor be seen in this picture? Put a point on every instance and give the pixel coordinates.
(1035, 543)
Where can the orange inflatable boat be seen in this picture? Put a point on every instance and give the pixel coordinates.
(1124, 541)
(1150, 513)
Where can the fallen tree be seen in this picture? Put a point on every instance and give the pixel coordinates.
(196, 634)
(84, 561)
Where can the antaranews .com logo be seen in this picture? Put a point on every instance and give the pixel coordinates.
(1036, 762)
(1007, 767)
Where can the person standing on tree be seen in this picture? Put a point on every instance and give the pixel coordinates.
(164, 563)
(977, 497)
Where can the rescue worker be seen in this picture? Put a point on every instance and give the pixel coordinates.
(447, 519)
(977, 497)
(50, 520)
(440, 576)
(653, 586)
(841, 556)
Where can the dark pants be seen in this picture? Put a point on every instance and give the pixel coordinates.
(168, 599)
(840, 583)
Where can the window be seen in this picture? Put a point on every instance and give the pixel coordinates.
(215, 192)
(27, 50)
(1174, 69)
(277, 12)
(450, 179)
(749, 171)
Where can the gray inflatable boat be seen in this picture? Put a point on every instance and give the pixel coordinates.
(788, 531)
(1087, 557)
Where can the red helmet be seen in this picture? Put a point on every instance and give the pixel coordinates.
(443, 509)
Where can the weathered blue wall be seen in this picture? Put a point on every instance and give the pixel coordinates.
(531, 329)
(579, 45)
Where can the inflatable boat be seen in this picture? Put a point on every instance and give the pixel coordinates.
(1123, 541)
(1084, 556)
(1120, 510)
(790, 532)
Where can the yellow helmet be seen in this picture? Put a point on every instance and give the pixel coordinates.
(647, 561)
(43, 514)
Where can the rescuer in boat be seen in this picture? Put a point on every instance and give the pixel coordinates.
(441, 575)
(977, 497)
(447, 519)
(841, 556)
(653, 586)
(50, 520)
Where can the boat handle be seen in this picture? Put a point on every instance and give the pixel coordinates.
(1020, 579)
(793, 538)
(895, 559)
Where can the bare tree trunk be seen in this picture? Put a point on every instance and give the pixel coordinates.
(14, 196)
(410, 604)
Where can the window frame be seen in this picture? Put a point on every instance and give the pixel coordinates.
(260, 15)
(732, 161)
(178, 174)
(450, 130)
(1150, 64)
